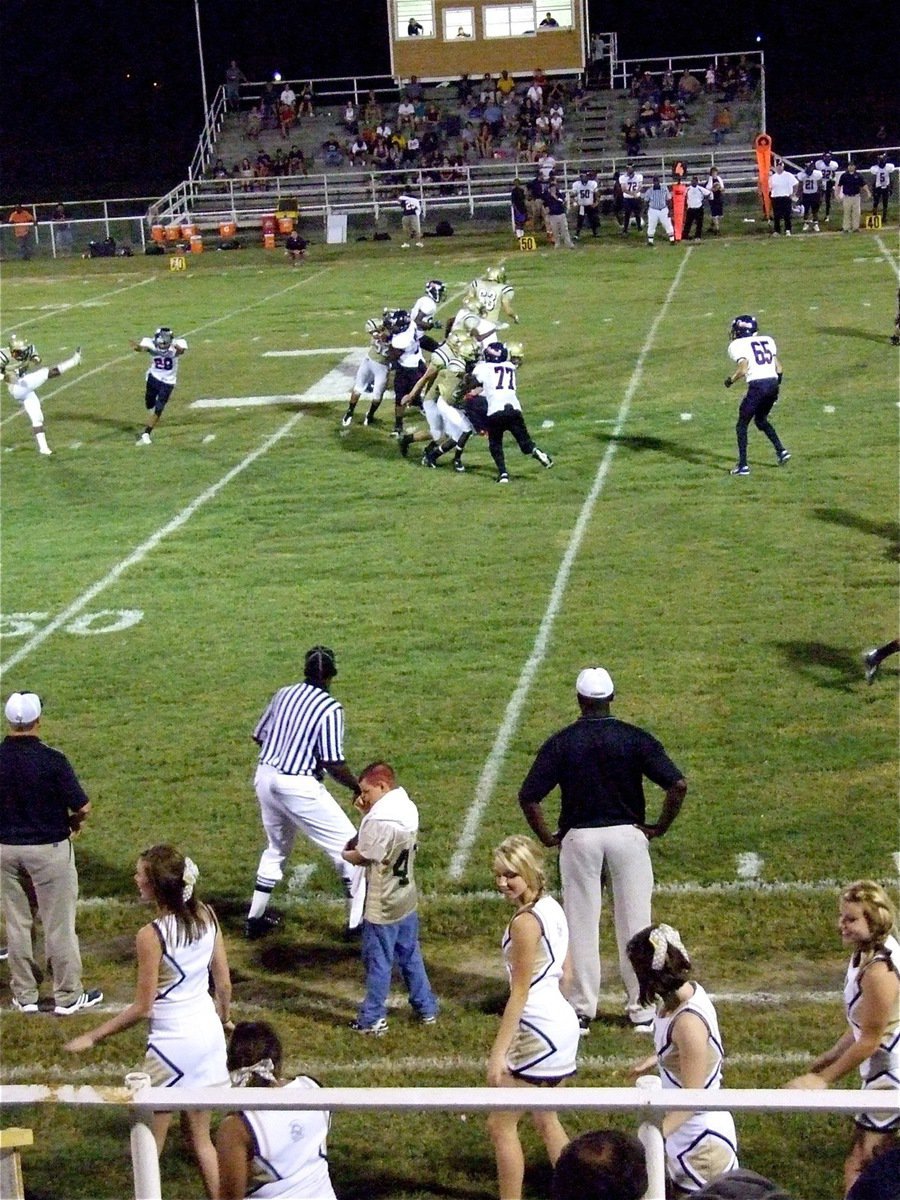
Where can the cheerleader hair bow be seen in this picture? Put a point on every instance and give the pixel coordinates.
(190, 875)
(264, 1069)
(661, 938)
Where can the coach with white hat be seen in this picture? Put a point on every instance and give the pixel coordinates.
(41, 805)
(599, 763)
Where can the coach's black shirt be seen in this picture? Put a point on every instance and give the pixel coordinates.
(38, 790)
(598, 764)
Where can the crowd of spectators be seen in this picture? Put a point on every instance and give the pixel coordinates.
(495, 117)
(667, 103)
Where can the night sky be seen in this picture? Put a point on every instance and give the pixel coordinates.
(104, 99)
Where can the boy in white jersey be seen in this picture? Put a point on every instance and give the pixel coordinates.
(495, 379)
(756, 357)
(386, 847)
(165, 349)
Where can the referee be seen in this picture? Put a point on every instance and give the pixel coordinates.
(301, 737)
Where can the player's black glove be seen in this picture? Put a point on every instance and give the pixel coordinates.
(437, 324)
(779, 377)
(729, 381)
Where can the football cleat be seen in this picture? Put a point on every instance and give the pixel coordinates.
(739, 470)
(347, 419)
(783, 457)
(544, 459)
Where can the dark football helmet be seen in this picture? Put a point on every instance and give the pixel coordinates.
(743, 326)
(163, 338)
(435, 289)
(396, 320)
(495, 352)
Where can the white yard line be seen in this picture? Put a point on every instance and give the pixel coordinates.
(16, 326)
(889, 258)
(81, 376)
(139, 554)
(490, 772)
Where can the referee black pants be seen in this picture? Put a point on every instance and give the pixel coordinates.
(781, 211)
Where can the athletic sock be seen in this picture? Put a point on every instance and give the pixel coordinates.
(259, 903)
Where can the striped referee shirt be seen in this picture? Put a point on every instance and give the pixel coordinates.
(658, 197)
(302, 728)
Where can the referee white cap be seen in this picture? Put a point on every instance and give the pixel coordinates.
(23, 708)
(595, 683)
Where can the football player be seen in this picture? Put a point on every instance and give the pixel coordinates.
(20, 365)
(756, 357)
(586, 199)
(165, 350)
(424, 310)
(441, 385)
(372, 374)
(406, 355)
(495, 379)
(494, 294)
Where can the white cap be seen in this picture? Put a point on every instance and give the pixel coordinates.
(595, 683)
(23, 708)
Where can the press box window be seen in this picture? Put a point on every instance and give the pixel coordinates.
(412, 13)
(458, 23)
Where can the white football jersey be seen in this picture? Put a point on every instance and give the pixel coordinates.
(407, 343)
(760, 352)
(881, 176)
(829, 168)
(584, 193)
(164, 363)
(423, 312)
(498, 381)
(810, 182)
(631, 184)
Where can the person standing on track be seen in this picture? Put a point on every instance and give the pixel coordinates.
(301, 736)
(598, 763)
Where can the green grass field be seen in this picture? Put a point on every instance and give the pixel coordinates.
(732, 614)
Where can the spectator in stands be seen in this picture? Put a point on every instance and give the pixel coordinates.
(667, 86)
(556, 126)
(505, 88)
(646, 87)
(711, 79)
(297, 164)
(359, 151)
(414, 29)
(649, 118)
(288, 97)
(535, 95)
(384, 130)
(332, 153)
(414, 90)
(542, 126)
(668, 119)
(254, 123)
(305, 105)
(268, 106)
(688, 87)
(485, 141)
(219, 170)
(631, 139)
(406, 114)
(555, 95)
(234, 77)
(373, 114)
(245, 174)
(468, 141)
(603, 1164)
(721, 125)
(262, 168)
(523, 144)
(546, 164)
(380, 154)
(286, 118)
(279, 163)
(493, 114)
(413, 149)
(351, 118)
(870, 1042)
(487, 90)
(22, 221)
(462, 32)
(463, 90)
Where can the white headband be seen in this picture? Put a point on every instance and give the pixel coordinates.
(265, 1069)
(661, 938)
(189, 876)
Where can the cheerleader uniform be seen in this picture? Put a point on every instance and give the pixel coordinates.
(882, 1069)
(289, 1151)
(706, 1144)
(544, 1046)
(186, 1042)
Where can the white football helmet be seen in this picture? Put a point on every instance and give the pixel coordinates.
(373, 326)
(516, 352)
(496, 274)
(19, 348)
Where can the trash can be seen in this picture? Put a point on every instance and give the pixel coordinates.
(285, 224)
(227, 229)
(173, 233)
(188, 229)
(157, 233)
(269, 241)
(196, 243)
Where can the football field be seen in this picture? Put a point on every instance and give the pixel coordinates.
(155, 596)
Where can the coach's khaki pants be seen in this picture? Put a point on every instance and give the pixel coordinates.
(48, 872)
(620, 856)
(852, 212)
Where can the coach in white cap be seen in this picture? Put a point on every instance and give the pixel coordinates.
(41, 805)
(599, 763)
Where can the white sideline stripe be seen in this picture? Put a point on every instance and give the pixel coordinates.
(307, 353)
(144, 549)
(410, 1065)
(491, 770)
(332, 387)
(61, 308)
(236, 312)
(262, 401)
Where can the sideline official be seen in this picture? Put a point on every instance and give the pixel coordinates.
(41, 805)
(301, 736)
(598, 763)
